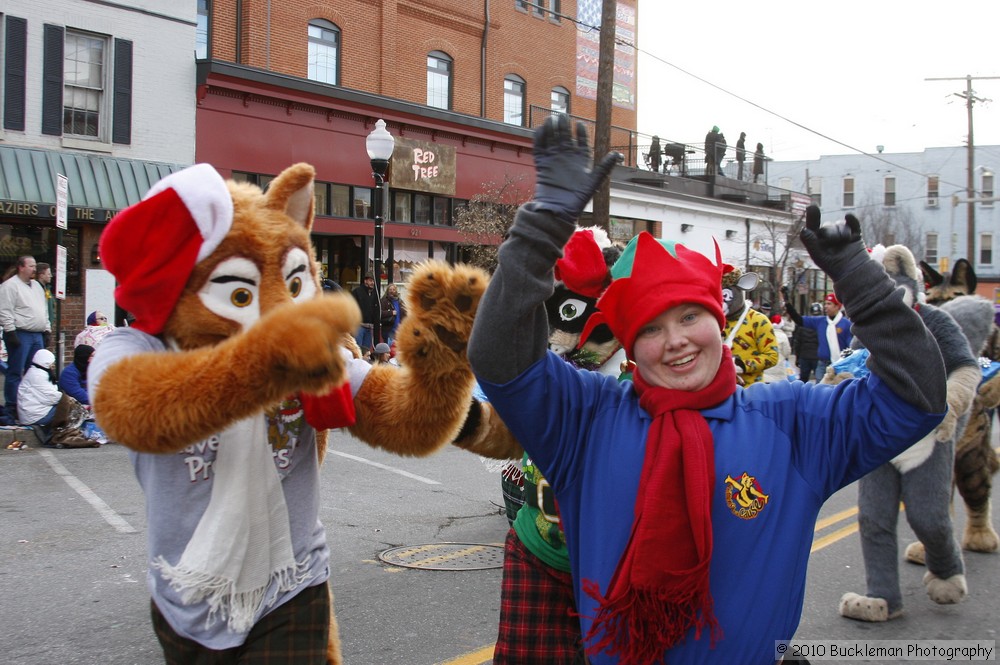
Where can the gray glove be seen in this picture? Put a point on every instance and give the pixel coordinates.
(836, 248)
(564, 180)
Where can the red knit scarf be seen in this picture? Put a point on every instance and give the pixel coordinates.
(660, 587)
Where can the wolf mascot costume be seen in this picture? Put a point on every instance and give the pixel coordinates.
(920, 477)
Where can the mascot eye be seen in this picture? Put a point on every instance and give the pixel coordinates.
(727, 295)
(571, 308)
(295, 286)
(241, 297)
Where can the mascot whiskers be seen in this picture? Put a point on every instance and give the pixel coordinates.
(223, 388)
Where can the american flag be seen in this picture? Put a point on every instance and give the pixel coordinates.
(588, 12)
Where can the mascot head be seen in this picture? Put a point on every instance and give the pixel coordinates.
(582, 275)
(735, 286)
(199, 259)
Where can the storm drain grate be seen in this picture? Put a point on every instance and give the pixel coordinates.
(445, 556)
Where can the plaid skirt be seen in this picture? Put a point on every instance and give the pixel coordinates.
(538, 622)
(297, 632)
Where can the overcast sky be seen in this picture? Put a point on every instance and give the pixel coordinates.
(853, 71)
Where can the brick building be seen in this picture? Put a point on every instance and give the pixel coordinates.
(459, 84)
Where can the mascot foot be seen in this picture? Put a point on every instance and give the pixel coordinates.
(915, 553)
(945, 592)
(981, 540)
(865, 608)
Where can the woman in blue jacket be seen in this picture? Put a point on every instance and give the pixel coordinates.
(688, 502)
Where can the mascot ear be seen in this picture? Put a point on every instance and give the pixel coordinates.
(748, 282)
(292, 193)
(931, 276)
(963, 275)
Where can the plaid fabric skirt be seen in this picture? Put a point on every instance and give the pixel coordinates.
(297, 632)
(538, 623)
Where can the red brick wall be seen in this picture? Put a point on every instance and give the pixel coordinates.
(385, 44)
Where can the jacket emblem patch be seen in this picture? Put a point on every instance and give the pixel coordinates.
(744, 496)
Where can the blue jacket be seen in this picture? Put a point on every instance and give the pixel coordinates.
(819, 324)
(73, 384)
(799, 442)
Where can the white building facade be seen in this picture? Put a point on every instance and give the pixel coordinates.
(919, 199)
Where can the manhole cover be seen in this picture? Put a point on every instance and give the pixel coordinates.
(445, 556)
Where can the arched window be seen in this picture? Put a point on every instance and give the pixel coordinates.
(560, 100)
(439, 80)
(324, 51)
(513, 99)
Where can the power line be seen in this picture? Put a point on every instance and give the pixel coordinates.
(865, 153)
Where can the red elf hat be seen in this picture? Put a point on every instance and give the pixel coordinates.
(582, 267)
(658, 281)
(152, 246)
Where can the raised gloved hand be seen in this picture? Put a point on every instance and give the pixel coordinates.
(10, 339)
(836, 248)
(564, 179)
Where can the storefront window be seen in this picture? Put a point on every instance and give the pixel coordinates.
(321, 205)
(40, 242)
(340, 198)
(401, 207)
(421, 209)
(362, 202)
(441, 210)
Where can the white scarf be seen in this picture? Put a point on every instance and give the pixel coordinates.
(243, 542)
(831, 336)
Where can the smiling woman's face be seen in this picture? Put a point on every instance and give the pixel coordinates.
(680, 349)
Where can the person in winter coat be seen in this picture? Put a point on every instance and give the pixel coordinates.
(805, 343)
(673, 522)
(37, 395)
(833, 331)
(73, 380)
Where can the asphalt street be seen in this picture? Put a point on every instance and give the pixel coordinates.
(72, 583)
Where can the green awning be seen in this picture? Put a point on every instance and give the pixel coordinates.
(96, 183)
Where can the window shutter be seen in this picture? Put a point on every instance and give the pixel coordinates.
(121, 131)
(52, 80)
(14, 68)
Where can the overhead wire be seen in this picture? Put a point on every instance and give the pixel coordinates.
(624, 42)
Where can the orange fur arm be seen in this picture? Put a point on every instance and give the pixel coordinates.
(488, 435)
(420, 407)
(163, 402)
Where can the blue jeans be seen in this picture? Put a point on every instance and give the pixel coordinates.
(364, 338)
(17, 360)
(821, 366)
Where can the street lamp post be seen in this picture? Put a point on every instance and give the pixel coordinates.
(379, 144)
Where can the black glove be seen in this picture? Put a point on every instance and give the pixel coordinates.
(10, 339)
(46, 338)
(836, 248)
(564, 180)
(784, 292)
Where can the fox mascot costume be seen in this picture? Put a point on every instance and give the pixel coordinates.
(224, 386)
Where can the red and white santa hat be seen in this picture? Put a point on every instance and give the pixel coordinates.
(152, 246)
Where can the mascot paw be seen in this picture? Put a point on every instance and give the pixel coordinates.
(945, 592)
(915, 553)
(300, 343)
(980, 539)
(865, 608)
(946, 430)
(441, 302)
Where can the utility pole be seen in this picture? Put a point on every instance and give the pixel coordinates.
(970, 194)
(602, 130)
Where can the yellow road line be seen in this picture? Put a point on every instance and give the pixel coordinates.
(833, 519)
(474, 658)
(831, 538)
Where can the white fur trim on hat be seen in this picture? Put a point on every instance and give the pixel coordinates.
(206, 197)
